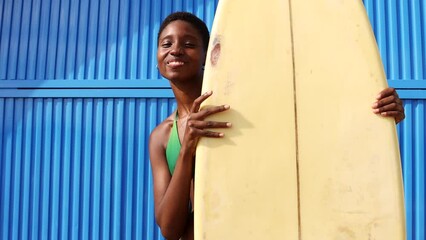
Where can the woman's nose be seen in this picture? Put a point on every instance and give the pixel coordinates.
(177, 50)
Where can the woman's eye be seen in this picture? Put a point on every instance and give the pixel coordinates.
(189, 44)
(166, 45)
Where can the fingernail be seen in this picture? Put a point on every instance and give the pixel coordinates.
(374, 105)
(379, 96)
(208, 93)
(226, 106)
(376, 110)
(221, 134)
(228, 124)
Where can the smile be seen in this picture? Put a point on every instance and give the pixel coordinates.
(175, 63)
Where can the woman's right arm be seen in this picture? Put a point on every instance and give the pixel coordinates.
(172, 194)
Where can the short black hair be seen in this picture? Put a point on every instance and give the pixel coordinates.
(191, 19)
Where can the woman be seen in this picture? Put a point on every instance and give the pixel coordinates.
(182, 49)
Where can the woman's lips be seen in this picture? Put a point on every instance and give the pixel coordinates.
(175, 63)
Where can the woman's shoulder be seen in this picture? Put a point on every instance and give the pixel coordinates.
(161, 132)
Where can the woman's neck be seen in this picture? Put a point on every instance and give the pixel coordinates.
(185, 94)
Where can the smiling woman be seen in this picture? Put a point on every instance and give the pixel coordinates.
(182, 47)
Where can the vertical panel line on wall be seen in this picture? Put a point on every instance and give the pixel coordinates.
(420, 170)
(6, 37)
(416, 40)
(23, 40)
(93, 40)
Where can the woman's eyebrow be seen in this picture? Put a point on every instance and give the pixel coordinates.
(191, 36)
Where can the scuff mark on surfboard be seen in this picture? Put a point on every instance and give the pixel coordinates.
(374, 228)
(345, 233)
(229, 87)
(215, 53)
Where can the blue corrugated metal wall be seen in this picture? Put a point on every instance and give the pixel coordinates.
(77, 167)
(78, 100)
(97, 39)
(79, 95)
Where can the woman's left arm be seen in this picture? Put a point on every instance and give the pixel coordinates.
(389, 104)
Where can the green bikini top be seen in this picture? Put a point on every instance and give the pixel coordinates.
(173, 146)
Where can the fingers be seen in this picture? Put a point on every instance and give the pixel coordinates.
(210, 111)
(397, 115)
(389, 104)
(204, 133)
(389, 108)
(197, 103)
(385, 97)
(197, 127)
(200, 128)
(386, 92)
(390, 113)
(208, 124)
(198, 114)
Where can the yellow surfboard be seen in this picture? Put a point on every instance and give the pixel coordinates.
(306, 158)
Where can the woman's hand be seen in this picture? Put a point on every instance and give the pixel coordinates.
(389, 104)
(197, 127)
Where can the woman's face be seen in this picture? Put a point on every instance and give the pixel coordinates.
(180, 54)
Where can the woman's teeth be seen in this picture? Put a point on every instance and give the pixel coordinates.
(176, 63)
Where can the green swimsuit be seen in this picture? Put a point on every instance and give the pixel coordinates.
(172, 152)
(173, 146)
